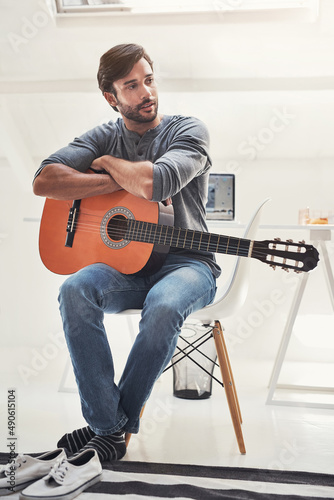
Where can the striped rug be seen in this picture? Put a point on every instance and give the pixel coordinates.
(137, 480)
(145, 480)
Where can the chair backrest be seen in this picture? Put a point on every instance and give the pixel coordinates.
(233, 295)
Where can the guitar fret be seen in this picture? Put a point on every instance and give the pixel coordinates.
(127, 232)
(189, 243)
(195, 240)
(200, 241)
(185, 238)
(136, 230)
(203, 241)
(207, 248)
(166, 234)
(155, 233)
(179, 237)
(145, 230)
(146, 236)
(140, 230)
(171, 236)
(177, 241)
(217, 246)
(159, 237)
(238, 247)
(250, 249)
(134, 225)
(150, 233)
(192, 240)
(131, 229)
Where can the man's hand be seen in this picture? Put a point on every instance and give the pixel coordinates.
(97, 166)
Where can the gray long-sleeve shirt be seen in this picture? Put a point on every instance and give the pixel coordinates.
(178, 149)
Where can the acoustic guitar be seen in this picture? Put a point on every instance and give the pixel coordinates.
(134, 235)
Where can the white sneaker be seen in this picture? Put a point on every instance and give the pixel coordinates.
(24, 470)
(67, 478)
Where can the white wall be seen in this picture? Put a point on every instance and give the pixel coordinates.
(250, 79)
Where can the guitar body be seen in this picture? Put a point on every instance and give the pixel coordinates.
(92, 240)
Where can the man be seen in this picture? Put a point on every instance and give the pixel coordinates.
(159, 158)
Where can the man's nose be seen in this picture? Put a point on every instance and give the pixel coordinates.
(147, 91)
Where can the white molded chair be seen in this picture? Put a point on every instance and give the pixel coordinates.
(228, 301)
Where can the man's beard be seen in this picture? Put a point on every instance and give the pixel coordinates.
(133, 113)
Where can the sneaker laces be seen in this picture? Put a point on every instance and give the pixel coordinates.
(58, 471)
(15, 464)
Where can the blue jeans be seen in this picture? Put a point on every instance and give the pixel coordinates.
(181, 286)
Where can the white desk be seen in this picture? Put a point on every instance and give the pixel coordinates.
(319, 234)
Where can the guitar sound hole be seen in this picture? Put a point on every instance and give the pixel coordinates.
(117, 227)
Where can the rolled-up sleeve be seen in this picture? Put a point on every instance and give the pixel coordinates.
(186, 157)
(82, 151)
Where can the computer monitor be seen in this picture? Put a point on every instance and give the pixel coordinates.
(221, 197)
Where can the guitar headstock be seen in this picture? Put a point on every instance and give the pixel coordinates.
(299, 257)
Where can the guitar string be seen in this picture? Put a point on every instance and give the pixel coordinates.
(212, 247)
(259, 251)
(280, 243)
(120, 232)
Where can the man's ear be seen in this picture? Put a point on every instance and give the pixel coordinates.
(110, 98)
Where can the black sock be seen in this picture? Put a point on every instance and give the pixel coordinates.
(76, 440)
(110, 447)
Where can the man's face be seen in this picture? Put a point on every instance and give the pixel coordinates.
(136, 95)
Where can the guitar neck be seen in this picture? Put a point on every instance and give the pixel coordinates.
(189, 239)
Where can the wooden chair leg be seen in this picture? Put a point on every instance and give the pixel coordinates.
(230, 370)
(127, 438)
(228, 381)
(128, 434)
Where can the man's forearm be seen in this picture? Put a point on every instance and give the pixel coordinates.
(135, 177)
(64, 183)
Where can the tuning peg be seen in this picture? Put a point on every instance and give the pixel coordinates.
(302, 242)
(297, 271)
(285, 269)
(273, 266)
(290, 240)
(277, 239)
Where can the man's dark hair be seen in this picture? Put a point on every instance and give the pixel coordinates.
(117, 63)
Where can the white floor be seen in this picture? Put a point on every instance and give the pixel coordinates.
(181, 431)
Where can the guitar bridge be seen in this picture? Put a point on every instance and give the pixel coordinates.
(71, 223)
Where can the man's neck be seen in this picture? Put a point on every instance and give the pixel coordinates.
(141, 128)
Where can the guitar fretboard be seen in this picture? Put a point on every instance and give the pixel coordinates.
(148, 232)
